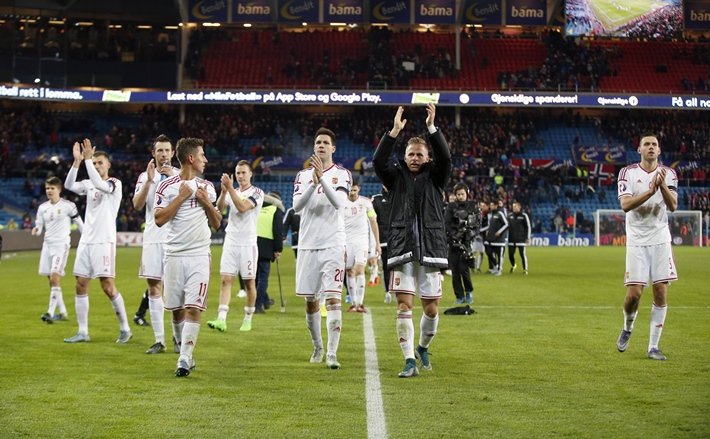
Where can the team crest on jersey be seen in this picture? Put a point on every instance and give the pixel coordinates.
(396, 281)
(335, 180)
(159, 202)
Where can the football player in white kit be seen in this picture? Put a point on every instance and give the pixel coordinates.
(185, 202)
(151, 269)
(360, 217)
(319, 193)
(54, 217)
(647, 191)
(239, 252)
(96, 254)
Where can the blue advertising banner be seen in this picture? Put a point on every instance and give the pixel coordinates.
(298, 11)
(435, 11)
(526, 12)
(343, 11)
(207, 10)
(253, 11)
(482, 12)
(390, 11)
(358, 97)
(697, 14)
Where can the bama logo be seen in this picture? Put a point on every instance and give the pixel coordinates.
(699, 15)
(344, 10)
(561, 241)
(251, 9)
(525, 12)
(435, 11)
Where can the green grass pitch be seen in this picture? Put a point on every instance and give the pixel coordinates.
(538, 360)
(614, 13)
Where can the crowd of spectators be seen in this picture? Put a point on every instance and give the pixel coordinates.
(37, 142)
(682, 135)
(94, 40)
(664, 23)
(571, 64)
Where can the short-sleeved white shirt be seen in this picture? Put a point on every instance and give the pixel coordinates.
(55, 219)
(101, 211)
(322, 225)
(189, 232)
(241, 228)
(152, 234)
(648, 223)
(357, 221)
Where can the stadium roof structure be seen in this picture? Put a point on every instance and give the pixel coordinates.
(163, 11)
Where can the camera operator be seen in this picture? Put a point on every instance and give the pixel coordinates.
(463, 219)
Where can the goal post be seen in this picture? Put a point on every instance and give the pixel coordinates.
(686, 227)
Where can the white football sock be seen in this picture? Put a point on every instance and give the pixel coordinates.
(120, 309)
(156, 318)
(360, 283)
(334, 320)
(658, 317)
(81, 305)
(405, 331)
(629, 320)
(190, 331)
(222, 311)
(313, 323)
(177, 331)
(427, 329)
(60, 301)
(248, 313)
(352, 290)
(53, 298)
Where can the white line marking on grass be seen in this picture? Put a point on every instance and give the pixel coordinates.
(376, 423)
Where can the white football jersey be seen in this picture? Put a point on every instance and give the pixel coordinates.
(189, 232)
(322, 225)
(241, 229)
(55, 219)
(152, 234)
(648, 223)
(101, 210)
(357, 222)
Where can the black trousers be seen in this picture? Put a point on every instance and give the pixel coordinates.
(385, 271)
(460, 274)
(492, 254)
(521, 250)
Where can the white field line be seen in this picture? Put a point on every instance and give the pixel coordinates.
(376, 422)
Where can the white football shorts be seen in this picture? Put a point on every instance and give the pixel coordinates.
(654, 262)
(152, 261)
(320, 271)
(53, 258)
(185, 281)
(95, 260)
(412, 278)
(239, 259)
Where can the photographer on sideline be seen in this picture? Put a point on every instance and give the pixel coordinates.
(463, 220)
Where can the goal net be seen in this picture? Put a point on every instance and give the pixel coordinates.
(686, 227)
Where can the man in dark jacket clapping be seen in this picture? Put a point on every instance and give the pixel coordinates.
(417, 249)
